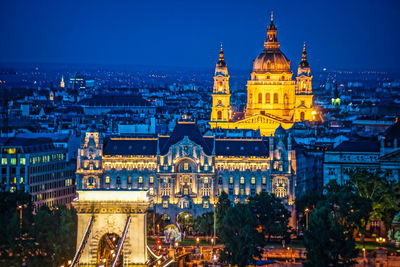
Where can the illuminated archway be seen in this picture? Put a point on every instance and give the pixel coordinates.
(107, 249)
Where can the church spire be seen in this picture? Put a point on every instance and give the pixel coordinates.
(221, 53)
(304, 66)
(304, 54)
(272, 39)
(62, 83)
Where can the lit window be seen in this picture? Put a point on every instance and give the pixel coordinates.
(129, 179)
(140, 179)
(13, 180)
(264, 180)
(231, 180)
(165, 204)
(242, 180)
(206, 205)
(22, 161)
(253, 180)
(186, 191)
(4, 161)
(206, 180)
(186, 166)
(151, 179)
(165, 180)
(242, 191)
(151, 191)
(13, 161)
(107, 179)
(21, 180)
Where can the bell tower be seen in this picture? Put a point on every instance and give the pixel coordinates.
(221, 103)
(304, 96)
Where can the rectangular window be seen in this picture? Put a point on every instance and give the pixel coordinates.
(186, 166)
(21, 180)
(241, 191)
(13, 180)
(165, 180)
(165, 204)
(107, 179)
(129, 179)
(264, 180)
(253, 180)
(22, 161)
(186, 191)
(13, 161)
(230, 191)
(231, 180)
(4, 161)
(118, 180)
(242, 180)
(151, 191)
(206, 205)
(140, 180)
(206, 180)
(151, 180)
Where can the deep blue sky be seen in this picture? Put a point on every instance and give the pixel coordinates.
(340, 34)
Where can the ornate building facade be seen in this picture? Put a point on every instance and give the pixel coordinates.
(273, 97)
(186, 172)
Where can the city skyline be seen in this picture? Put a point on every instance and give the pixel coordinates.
(188, 35)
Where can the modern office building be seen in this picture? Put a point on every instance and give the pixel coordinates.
(39, 168)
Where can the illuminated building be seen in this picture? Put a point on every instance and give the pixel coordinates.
(185, 172)
(62, 83)
(273, 97)
(78, 81)
(37, 167)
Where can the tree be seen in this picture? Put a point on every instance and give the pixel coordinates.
(223, 206)
(14, 244)
(381, 191)
(271, 214)
(329, 240)
(242, 242)
(204, 224)
(308, 201)
(55, 232)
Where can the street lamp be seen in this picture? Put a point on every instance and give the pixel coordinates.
(307, 210)
(197, 241)
(214, 221)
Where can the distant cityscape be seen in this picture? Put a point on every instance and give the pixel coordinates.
(138, 154)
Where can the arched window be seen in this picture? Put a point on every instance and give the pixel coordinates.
(219, 115)
(275, 98)
(259, 98)
(302, 116)
(267, 98)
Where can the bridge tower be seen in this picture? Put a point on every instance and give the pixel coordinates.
(112, 228)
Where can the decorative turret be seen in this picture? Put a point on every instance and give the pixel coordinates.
(221, 97)
(272, 38)
(304, 66)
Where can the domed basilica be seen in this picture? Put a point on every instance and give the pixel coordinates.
(274, 98)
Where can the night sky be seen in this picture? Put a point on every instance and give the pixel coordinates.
(340, 34)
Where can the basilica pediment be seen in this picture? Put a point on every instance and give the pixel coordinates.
(261, 119)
